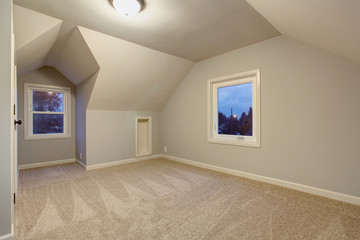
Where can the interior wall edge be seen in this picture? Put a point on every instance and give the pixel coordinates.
(81, 163)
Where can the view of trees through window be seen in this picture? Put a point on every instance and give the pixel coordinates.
(235, 110)
(48, 108)
(48, 123)
(48, 101)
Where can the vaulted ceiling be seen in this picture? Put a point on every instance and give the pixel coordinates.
(129, 76)
(191, 29)
(331, 25)
(140, 61)
(41, 40)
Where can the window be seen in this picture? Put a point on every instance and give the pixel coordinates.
(47, 111)
(234, 109)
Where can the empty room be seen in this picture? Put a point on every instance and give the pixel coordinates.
(164, 119)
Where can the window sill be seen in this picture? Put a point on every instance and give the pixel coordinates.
(244, 143)
(47, 137)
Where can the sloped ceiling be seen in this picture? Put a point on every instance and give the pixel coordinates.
(194, 30)
(132, 77)
(29, 25)
(76, 61)
(35, 34)
(138, 78)
(45, 41)
(33, 55)
(128, 76)
(331, 25)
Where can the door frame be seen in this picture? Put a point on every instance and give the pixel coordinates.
(13, 135)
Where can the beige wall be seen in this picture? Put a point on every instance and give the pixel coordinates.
(5, 118)
(309, 109)
(110, 135)
(37, 151)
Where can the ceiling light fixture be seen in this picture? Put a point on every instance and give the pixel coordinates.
(128, 7)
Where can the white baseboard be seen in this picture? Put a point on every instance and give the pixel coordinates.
(45, 164)
(7, 237)
(304, 188)
(81, 163)
(115, 163)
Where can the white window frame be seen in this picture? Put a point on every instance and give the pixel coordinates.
(28, 111)
(212, 91)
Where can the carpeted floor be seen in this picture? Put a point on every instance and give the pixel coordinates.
(160, 199)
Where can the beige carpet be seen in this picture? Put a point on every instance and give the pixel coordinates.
(160, 199)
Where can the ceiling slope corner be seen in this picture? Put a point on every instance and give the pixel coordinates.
(33, 55)
(328, 25)
(29, 25)
(132, 77)
(60, 43)
(76, 60)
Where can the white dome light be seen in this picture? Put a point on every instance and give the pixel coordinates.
(127, 7)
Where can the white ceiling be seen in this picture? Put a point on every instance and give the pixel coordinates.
(331, 25)
(191, 29)
(76, 61)
(41, 40)
(30, 31)
(132, 77)
(129, 76)
(35, 35)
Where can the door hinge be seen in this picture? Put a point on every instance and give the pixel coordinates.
(14, 198)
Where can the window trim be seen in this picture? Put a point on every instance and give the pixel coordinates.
(28, 116)
(212, 118)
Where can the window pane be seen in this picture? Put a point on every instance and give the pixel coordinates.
(46, 101)
(48, 123)
(235, 110)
